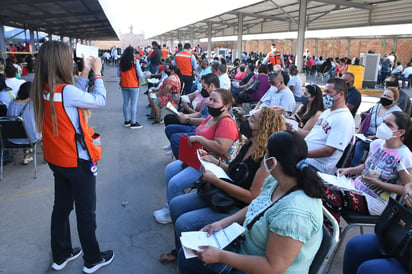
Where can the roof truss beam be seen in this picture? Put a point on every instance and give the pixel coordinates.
(347, 4)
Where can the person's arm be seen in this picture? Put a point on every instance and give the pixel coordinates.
(324, 151)
(356, 170)
(238, 217)
(165, 90)
(139, 71)
(281, 251)
(219, 145)
(248, 84)
(192, 119)
(309, 125)
(393, 188)
(194, 63)
(266, 59)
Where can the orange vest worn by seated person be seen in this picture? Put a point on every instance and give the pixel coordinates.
(61, 150)
(274, 58)
(129, 79)
(165, 52)
(184, 63)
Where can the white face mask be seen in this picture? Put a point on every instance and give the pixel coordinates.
(269, 170)
(384, 132)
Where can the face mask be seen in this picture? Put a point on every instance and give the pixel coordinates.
(204, 93)
(167, 72)
(245, 129)
(385, 101)
(328, 101)
(384, 132)
(215, 112)
(304, 99)
(269, 170)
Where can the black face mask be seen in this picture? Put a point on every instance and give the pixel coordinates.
(167, 72)
(304, 99)
(245, 129)
(215, 112)
(204, 93)
(385, 101)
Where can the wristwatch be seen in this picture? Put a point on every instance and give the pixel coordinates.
(187, 121)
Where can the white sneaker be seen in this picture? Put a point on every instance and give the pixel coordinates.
(167, 148)
(161, 211)
(163, 218)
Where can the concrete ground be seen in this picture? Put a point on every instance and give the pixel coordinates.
(130, 186)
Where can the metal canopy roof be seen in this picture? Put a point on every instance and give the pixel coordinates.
(83, 19)
(271, 16)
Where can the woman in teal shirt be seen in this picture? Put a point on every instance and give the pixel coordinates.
(283, 224)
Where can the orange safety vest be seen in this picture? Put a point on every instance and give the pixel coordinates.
(274, 58)
(184, 63)
(141, 52)
(129, 79)
(165, 52)
(61, 150)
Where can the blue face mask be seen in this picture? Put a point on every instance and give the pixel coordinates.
(328, 101)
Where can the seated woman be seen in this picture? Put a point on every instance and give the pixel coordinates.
(6, 96)
(190, 212)
(216, 134)
(284, 223)
(168, 92)
(310, 110)
(383, 174)
(362, 254)
(262, 77)
(23, 106)
(386, 105)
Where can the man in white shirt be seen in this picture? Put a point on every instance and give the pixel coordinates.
(223, 77)
(398, 68)
(11, 81)
(333, 131)
(406, 73)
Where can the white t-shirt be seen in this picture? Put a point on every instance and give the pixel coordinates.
(224, 81)
(335, 129)
(14, 84)
(407, 72)
(389, 162)
(297, 83)
(283, 98)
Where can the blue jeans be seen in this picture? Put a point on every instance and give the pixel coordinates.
(178, 179)
(362, 256)
(173, 133)
(190, 213)
(130, 95)
(188, 81)
(74, 185)
(360, 148)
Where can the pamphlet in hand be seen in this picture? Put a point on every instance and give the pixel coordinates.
(217, 170)
(86, 51)
(338, 182)
(172, 108)
(291, 122)
(363, 138)
(220, 239)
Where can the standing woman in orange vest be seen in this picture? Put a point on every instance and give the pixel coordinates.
(71, 149)
(130, 73)
(274, 56)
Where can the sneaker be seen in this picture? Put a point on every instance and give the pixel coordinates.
(135, 125)
(157, 122)
(167, 148)
(27, 160)
(163, 218)
(107, 258)
(127, 123)
(76, 252)
(161, 211)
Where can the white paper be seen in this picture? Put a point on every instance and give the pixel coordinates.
(86, 51)
(220, 239)
(292, 123)
(217, 170)
(363, 138)
(235, 84)
(338, 182)
(172, 108)
(153, 80)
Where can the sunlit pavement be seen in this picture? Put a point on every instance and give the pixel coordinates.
(130, 186)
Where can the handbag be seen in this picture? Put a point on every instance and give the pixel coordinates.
(253, 87)
(394, 231)
(216, 198)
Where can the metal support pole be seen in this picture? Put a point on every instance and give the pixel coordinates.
(209, 40)
(301, 33)
(239, 34)
(3, 43)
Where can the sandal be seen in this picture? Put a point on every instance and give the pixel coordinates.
(27, 160)
(168, 257)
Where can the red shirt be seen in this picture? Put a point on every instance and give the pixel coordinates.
(226, 129)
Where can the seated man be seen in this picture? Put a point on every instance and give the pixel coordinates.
(333, 131)
(354, 98)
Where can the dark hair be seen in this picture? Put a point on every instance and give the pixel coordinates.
(211, 78)
(242, 68)
(186, 46)
(24, 91)
(222, 68)
(293, 70)
(350, 74)
(226, 95)
(392, 81)
(263, 69)
(179, 45)
(3, 85)
(289, 148)
(127, 59)
(317, 104)
(215, 65)
(403, 121)
(340, 85)
(176, 70)
(251, 67)
(155, 44)
(10, 71)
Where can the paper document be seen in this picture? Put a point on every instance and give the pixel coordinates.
(172, 108)
(291, 122)
(217, 170)
(235, 84)
(338, 182)
(220, 239)
(86, 51)
(363, 138)
(153, 81)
